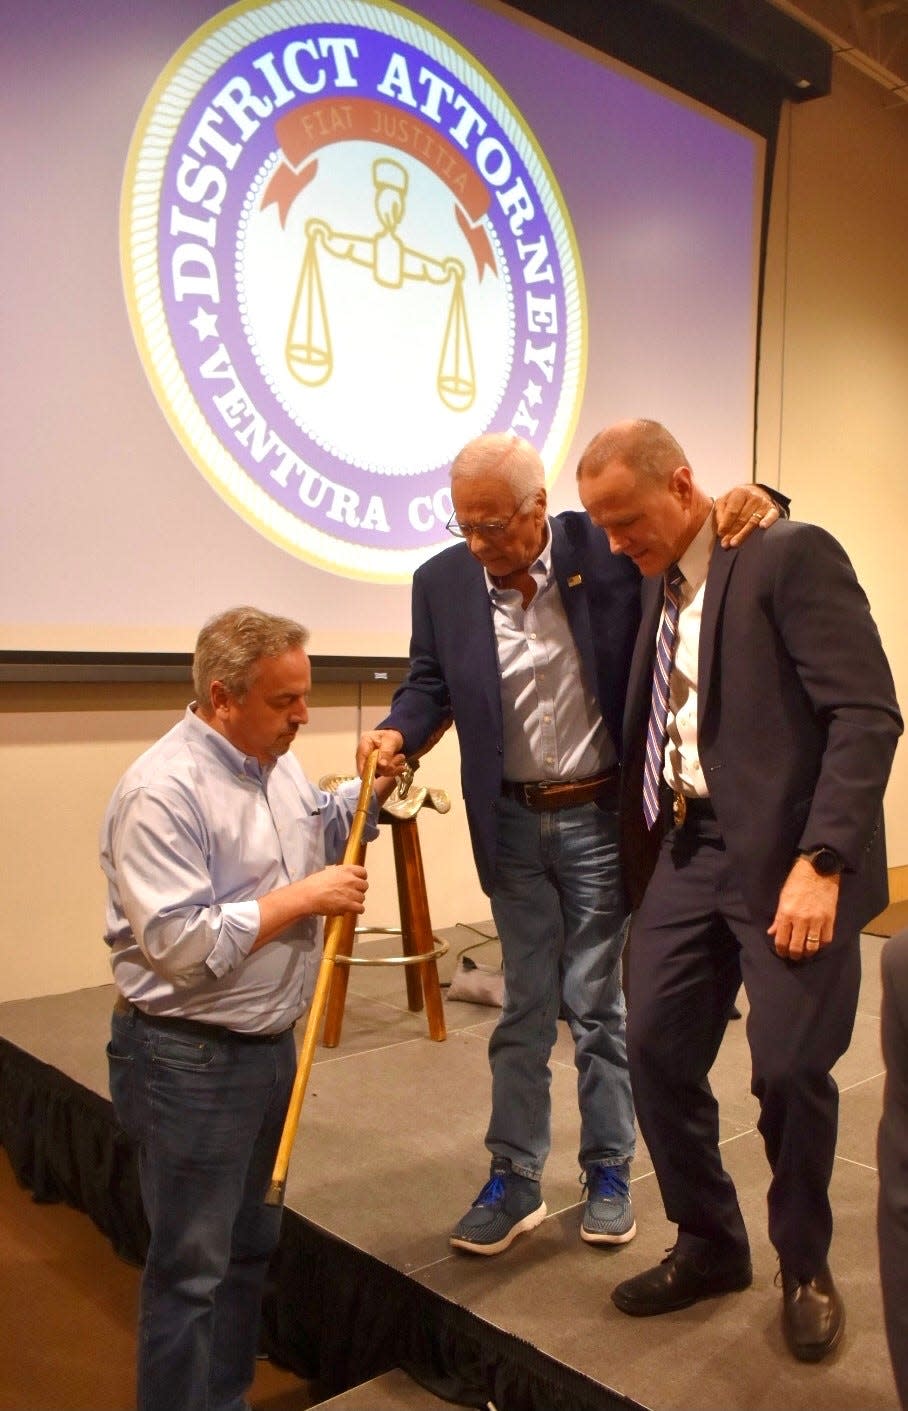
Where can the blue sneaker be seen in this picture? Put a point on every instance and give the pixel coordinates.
(507, 1205)
(608, 1217)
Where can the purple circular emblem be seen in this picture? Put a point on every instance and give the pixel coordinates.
(345, 257)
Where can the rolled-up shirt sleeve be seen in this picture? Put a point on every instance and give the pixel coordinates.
(195, 834)
(337, 812)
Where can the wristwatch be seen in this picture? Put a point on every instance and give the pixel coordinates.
(824, 861)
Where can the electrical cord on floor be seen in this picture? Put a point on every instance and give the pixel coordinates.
(474, 945)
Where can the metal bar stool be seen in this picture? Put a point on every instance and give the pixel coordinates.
(421, 949)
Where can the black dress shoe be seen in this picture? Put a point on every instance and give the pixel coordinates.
(681, 1279)
(813, 1315)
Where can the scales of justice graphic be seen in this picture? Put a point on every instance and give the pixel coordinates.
(391, 262)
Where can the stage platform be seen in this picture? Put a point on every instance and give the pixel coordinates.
(389, 1155)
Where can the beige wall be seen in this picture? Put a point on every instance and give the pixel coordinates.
(62, 749)
(833, 395)
(833, 425)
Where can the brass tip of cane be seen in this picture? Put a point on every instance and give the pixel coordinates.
(275, 1194)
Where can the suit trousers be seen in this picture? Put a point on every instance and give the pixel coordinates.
(692, 942)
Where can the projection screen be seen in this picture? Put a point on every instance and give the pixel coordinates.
(270, 266)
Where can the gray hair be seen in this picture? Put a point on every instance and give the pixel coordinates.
(644, 446)
(507, 457)
(231, 644)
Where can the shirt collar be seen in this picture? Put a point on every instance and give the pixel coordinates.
(694, 562)
(540, 568)
(218, 745)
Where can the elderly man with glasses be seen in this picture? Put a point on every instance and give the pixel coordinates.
(523, 636)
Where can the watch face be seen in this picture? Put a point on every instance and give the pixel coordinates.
(825, 862)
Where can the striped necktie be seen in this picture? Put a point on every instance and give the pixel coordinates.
(658, 714)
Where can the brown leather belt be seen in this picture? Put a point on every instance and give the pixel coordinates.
(543, 798)
(193, 1028)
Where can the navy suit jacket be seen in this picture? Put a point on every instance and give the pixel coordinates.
(454, 662)
(797, 719)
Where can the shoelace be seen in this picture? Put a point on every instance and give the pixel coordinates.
(604, 1183)
(492, 1191)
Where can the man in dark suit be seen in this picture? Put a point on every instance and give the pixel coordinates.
(523, 634)
(755, 761)
(892, 1152)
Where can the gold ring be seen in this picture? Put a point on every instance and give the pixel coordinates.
(756, 516)
(813, 940)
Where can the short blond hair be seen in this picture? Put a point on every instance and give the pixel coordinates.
(645, 447)
(232, 643)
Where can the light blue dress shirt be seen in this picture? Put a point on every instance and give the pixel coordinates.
(194, 833)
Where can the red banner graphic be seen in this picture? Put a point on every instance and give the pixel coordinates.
(310, 127)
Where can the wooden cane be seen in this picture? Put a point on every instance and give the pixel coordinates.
(333, 930)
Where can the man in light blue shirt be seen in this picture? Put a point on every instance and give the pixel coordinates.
(219, 857)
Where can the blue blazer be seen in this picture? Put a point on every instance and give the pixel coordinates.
(454, 662)
(797, 719)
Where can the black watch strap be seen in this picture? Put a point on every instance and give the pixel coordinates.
(824, 861)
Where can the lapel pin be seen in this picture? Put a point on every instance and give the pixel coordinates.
(575, 580)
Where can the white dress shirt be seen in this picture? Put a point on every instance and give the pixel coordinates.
(553, 726)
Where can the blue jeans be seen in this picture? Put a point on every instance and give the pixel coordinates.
(205, 1115)
(558, 908)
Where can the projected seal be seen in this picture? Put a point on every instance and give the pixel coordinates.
(344, 256)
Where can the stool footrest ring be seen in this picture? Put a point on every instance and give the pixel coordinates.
(439, 949)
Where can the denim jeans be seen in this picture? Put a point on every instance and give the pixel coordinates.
(558, 908)
(205, 1115)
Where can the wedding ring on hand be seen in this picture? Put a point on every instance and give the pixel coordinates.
(757, 515)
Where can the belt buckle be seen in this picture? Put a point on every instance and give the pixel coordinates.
(532, 797)
(679, 808)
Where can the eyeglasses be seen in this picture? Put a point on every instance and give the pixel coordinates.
(491, 529)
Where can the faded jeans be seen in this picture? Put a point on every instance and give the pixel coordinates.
(558, 908)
